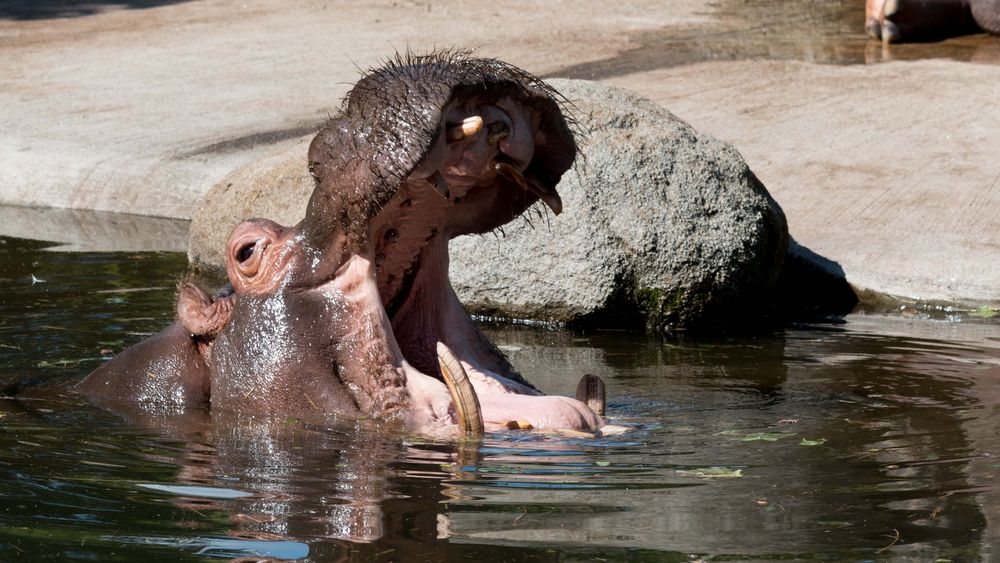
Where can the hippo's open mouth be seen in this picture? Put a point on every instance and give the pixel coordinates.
(351, 311)
(444, 146)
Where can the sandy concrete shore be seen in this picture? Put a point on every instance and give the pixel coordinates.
(890, 170)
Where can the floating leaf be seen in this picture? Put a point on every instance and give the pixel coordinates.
(816, 442)
(102, 464)
(63, 362)
(985, 312)
(195, 491)
(711, 472)
(56, 363)
(765, 436)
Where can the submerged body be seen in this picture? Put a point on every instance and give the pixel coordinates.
(351, 312)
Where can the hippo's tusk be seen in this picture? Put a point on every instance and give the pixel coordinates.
(590, 391)
(470, 415)
(550, 197)
(438, 183)
(467, 128)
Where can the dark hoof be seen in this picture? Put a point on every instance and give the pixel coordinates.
(874, 28)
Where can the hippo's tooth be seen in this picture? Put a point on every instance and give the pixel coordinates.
(590, 391)
(470, 415)
(467, 128)
(439, 183)
(550, 197)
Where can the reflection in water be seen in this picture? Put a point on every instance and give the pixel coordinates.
(827, 441)
(829, 32)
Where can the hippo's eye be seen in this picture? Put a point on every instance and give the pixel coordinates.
(246, 252)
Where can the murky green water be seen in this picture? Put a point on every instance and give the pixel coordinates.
(869, 440)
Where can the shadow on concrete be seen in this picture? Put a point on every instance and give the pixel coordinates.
(47, 9)
(812, 286)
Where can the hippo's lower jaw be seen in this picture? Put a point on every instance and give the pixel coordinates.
(455, 406)
(434, 406)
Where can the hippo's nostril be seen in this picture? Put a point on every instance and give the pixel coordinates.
(246, 252)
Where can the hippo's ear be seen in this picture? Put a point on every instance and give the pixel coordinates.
(198, 313)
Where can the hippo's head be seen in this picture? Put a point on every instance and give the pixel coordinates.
(344, 311)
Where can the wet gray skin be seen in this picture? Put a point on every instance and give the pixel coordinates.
(341, 314)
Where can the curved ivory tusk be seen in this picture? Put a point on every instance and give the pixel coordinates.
(590, 391)
(550, 197)
(470, 415)
(467, 128)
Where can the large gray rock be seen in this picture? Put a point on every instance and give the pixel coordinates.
(662, 227)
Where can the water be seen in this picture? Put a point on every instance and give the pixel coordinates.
(873, 439)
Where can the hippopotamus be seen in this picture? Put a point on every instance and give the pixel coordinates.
(896, 20)
(351, 312)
